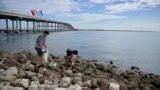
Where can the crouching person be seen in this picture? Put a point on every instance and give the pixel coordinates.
(71, 57)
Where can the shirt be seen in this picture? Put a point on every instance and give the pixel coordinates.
(40, 39)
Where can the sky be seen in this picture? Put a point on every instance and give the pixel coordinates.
(139, 15)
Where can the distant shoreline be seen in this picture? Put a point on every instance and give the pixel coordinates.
(113, 30)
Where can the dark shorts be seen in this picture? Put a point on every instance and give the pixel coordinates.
(39, 51)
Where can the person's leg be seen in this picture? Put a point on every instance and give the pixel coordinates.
(40, 57)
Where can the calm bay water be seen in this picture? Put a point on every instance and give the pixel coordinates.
(125, 49)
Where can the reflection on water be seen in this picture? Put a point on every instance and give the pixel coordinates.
(124, 48)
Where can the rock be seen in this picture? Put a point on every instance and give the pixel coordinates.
(12, 71)
(76, 79)
(48, 87)
(94, 83)
(1, 71)
(11, 88)
(22, 60)
(111, 62)
(22, 83)
(78, 75)
(79, 83)
(42, 70)
(46, 82)
(156, 82)
(65, 82)
(33, 85)
(52, 65)
(75, 87)
(134, 68)
(39, 75)
(60, 89)
(68, 72)
(30, 74)
(34, 78)
(21, 74)
(87, 83)
(7, 78)
(30, 67)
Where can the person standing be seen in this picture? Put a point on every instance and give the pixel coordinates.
(41, 48)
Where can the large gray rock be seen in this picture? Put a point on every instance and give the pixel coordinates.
(79, 83)
(7, 78)
(76, 79)
(30, 67)
(42, 70)
(22, 83)
(52, 65)
(12, 71)
(87, 83)
(1, 71)
(78, 75)
(47, 87)
(33, 85)
(75, 87)
(21, 74)
(11, 88)
(61, 89)
(94, 83)
(68, 72)
(65, 82)
(30, 74)
(22, 58)
(46, 82)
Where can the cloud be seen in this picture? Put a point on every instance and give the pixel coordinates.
(131, 5)
(47, 6)
(100, 1)
(118, 8)
(87, 17)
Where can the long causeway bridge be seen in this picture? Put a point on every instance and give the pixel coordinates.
(15, 22)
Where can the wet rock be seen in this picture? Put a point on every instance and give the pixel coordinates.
(22, 83)
(134, 68)
(65, 82)
(111, 62)
(12, 71)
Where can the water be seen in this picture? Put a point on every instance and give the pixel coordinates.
(125, 49)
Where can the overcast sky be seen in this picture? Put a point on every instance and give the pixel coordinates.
(94, 14)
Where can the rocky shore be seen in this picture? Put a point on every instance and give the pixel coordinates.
(17, 72)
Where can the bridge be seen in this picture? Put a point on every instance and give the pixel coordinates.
(16, 22)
